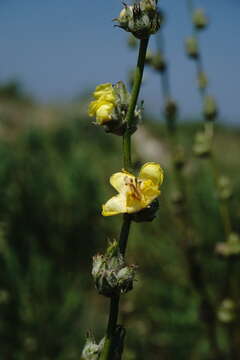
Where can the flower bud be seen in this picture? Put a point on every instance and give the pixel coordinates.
(179, 157)
(227, 311)
(92, 350)
(192, 47)
(200, 19)
(231, 247)
(203, 144)
(210, 110)
(4, 297)
(202, 80)
(224, 188)
(147, 214)
(111, 274)
(158, 62)
(149, 57)
(141, 19)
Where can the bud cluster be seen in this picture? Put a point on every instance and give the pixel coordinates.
(202, 145)
(92, 350)
(118, 124)
(156, 61)
(224, 188)
(231, 247)
(141, 19)
(192, 49)
(200, 19)
(111, 274)
(210, 110)
(227, 311)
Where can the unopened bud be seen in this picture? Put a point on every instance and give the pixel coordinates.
(4, 297)
(224, 188)
(227, 311)
(158, 62)
(92, 350)
(210, 110)
(111, 274)
(141, 19)
(202, 80)
(200, 19)
(202, 145)
(192, 47)
(231, 247)
(149, 57)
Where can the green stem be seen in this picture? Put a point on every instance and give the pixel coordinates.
(127, 162)
(110, 341)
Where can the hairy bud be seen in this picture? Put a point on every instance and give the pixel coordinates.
(141, 19)
(210, 110)
(111, 274)
(200, 19)
(192, 47)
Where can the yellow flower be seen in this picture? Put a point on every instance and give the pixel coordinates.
(104, 104)
(135, 193)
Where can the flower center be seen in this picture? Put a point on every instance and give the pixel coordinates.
(133, 187)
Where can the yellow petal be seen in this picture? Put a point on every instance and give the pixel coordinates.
(104, 112)
(134, 205)
(120, 179)
(102, 89)
(152, 171)
(115, 205)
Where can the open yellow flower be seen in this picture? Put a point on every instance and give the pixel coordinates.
(135, 193)
(105, 102)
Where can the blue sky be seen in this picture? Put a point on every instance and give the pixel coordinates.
(59, 48)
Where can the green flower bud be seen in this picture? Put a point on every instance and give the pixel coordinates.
(227, 311)
(158, 62)
(224, 188)
(111, 274)
(149, 57)
(147, 214)
(210, 110)
(141, 19)
(202, 80)
(192, 47)
(200, 19)
(4, 297)
(92, 350)
(202, 145)
(231, 247)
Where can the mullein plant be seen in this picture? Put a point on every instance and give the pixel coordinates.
(158, 62)
(116, 110)
(203, 148)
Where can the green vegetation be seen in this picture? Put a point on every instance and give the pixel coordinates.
(53, 180)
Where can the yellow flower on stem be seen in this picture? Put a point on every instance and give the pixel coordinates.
(103, 106)
(135, 193)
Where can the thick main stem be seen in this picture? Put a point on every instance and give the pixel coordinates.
(134, 97)
(110, 343)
